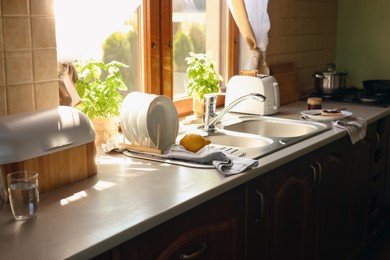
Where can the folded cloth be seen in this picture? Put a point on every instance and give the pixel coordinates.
(226, 164)
(356, 127)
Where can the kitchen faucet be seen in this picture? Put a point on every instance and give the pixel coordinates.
(211, 118)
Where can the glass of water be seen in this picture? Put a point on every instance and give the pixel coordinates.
(23, 194)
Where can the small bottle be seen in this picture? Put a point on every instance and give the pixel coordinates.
(314, 103)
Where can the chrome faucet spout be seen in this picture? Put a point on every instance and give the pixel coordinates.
(211, 118)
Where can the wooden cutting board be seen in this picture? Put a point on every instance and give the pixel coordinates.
(285, 74)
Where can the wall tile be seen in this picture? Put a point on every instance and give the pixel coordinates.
(20, 98)
(3, 101)
(43, 32)
(46, 95)
(39, 7)
(303, 32)
(45, 65)
(18, 67)
(16, 31)
(14, 7)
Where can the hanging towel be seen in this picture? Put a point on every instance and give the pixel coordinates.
(356, 127)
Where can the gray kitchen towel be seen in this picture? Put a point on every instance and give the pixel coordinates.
(356, 127)
(226, 164)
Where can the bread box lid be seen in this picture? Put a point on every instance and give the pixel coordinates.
(28, 135)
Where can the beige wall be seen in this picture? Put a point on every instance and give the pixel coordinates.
(363, 40)
(302, 32)
(28, 57)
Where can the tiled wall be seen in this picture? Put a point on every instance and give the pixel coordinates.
(303, 32)
(28, 57)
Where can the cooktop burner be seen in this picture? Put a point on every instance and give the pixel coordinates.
(357, 96)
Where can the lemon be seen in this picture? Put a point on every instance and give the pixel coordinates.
(194, 142)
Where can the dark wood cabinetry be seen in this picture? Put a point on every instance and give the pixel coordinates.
(384, 129)
(328, 204)
(303, 214)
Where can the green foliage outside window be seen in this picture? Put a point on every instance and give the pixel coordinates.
(122, 47)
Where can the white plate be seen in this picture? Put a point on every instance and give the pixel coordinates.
(316, 115)
(162, 122)
(130, 108)
(124, 117)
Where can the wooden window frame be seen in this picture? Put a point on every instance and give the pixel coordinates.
(158, 54)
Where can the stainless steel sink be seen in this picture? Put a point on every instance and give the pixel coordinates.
(258, 136)
(251, 136)
(272, 126)
(239, 140)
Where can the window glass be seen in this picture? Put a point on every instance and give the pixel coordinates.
(198, 26)
(119, 30)
(101, 30)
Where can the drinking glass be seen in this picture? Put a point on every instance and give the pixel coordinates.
(23, 194)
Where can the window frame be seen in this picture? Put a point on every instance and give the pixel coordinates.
(158, 52)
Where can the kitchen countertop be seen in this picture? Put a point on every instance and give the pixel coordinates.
(130, 196)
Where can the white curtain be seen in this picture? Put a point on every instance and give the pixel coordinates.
(253, 22)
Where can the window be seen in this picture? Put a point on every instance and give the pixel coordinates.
(153, 39)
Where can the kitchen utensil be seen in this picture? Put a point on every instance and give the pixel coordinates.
(330, 81)
(267, 86)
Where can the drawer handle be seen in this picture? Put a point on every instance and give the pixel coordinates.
(261, 204)
(197, 253)
(313, 186)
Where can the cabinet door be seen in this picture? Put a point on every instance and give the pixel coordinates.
(290, 211)
(257, 195)
(386, 133)
(331, 199)
(360, 165)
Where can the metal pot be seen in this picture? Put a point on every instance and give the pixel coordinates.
(330, 81)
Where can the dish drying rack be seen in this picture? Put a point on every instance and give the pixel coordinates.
(145, 146)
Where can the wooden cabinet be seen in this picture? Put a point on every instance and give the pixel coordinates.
(256, 227)
(328, 204)
(213, 230)
(290, 211)
(331, 200)
(358, 189)
(385, 131)
(368, 187)
(301, 208)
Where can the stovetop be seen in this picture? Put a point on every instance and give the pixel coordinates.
(357, 96)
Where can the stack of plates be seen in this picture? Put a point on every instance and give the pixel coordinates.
(149, 120)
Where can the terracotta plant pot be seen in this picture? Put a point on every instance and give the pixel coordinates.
(198, 107)
(105, 129)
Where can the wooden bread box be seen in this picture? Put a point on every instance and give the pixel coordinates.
(58, 143)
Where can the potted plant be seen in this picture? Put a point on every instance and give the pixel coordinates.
(202, 79)
(100, 97)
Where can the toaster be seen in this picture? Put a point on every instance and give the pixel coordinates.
(241, 85)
